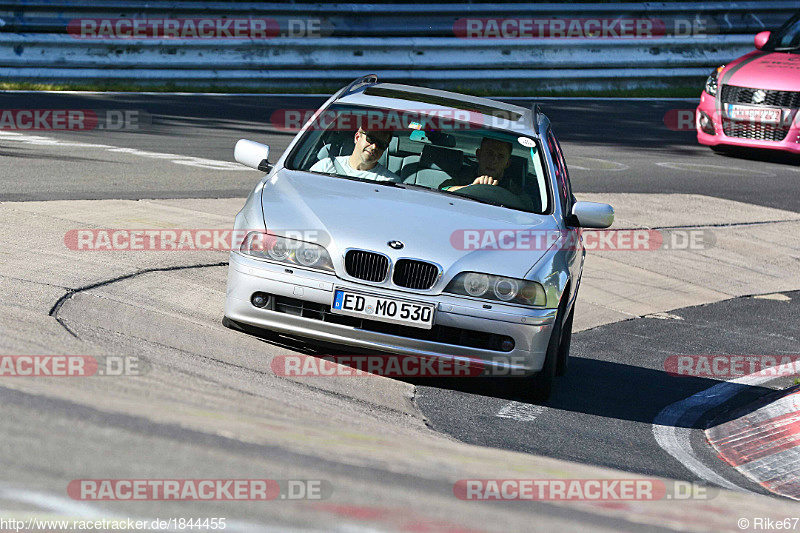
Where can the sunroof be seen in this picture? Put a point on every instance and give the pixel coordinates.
(443, 101)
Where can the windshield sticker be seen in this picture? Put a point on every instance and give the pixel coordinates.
(526, 142)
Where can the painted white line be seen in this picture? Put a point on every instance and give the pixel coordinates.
(672, 426)
(663, 316)
(521, 412)
(588, 163)
(200, 162)
(774, 296)
(713, 169)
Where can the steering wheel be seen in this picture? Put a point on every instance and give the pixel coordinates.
(496, 195)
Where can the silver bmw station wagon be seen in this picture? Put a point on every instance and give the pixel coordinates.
(420, 222)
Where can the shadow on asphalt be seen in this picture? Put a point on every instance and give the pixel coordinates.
(618, 371)
(601, 388)
(760, 155)
(612, 390)
(594, 387)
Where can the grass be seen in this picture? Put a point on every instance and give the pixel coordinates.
(679, 92)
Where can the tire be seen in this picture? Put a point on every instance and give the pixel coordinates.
(538, 387)
(566, 341)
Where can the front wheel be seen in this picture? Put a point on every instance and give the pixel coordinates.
(566, 341)
(538, 387)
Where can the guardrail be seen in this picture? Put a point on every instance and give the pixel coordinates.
(380, 20)
(409, 42)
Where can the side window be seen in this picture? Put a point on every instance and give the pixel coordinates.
(562, 177)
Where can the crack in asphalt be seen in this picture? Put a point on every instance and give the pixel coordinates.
(72, 292)
(727, 224)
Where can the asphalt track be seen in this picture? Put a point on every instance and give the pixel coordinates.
(601, 413)
(603, 409)
(612, 146)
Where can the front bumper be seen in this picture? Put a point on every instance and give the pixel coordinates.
(789, 143)
(529, 328)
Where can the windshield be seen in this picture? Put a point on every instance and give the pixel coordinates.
(449, 153)
(787, 38)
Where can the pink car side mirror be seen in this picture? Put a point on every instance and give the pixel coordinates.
(761, 39)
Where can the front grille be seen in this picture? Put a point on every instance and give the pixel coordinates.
(443, 334)
(731, 94)
(415, 274)
(368, 266)
(754, 130)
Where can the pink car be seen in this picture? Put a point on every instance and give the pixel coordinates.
(753, 102)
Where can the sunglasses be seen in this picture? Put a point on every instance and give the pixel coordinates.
(379, 143)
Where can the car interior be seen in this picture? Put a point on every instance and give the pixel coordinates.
(430, 158)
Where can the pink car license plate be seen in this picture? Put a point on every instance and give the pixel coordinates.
(764, 115)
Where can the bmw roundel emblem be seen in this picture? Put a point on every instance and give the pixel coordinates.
(395, 244)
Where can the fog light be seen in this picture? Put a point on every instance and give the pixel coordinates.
(705, 124)
(260, 299)
(507, 345)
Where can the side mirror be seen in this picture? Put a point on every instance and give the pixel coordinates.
(591, 215)
(252, 154)
(762, 38)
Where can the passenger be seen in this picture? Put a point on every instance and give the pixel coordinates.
(494, 157)
(363, 162)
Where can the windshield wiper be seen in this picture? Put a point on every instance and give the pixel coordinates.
(362, 180)
(474, 199)
(787, 48)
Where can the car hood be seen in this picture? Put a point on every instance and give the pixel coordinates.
(764, 70)
(353, 214)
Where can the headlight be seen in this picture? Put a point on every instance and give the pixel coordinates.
(476, 284)
(489, 287)
(284, 250)
(711, 82)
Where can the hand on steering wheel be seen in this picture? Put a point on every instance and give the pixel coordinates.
(485, 180)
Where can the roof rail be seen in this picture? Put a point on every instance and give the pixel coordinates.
(369, 79)
(537, 110)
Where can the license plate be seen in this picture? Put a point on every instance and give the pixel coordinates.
(405, 312)
(755, 114)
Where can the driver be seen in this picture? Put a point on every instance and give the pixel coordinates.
(494, 157)
(363, 162)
